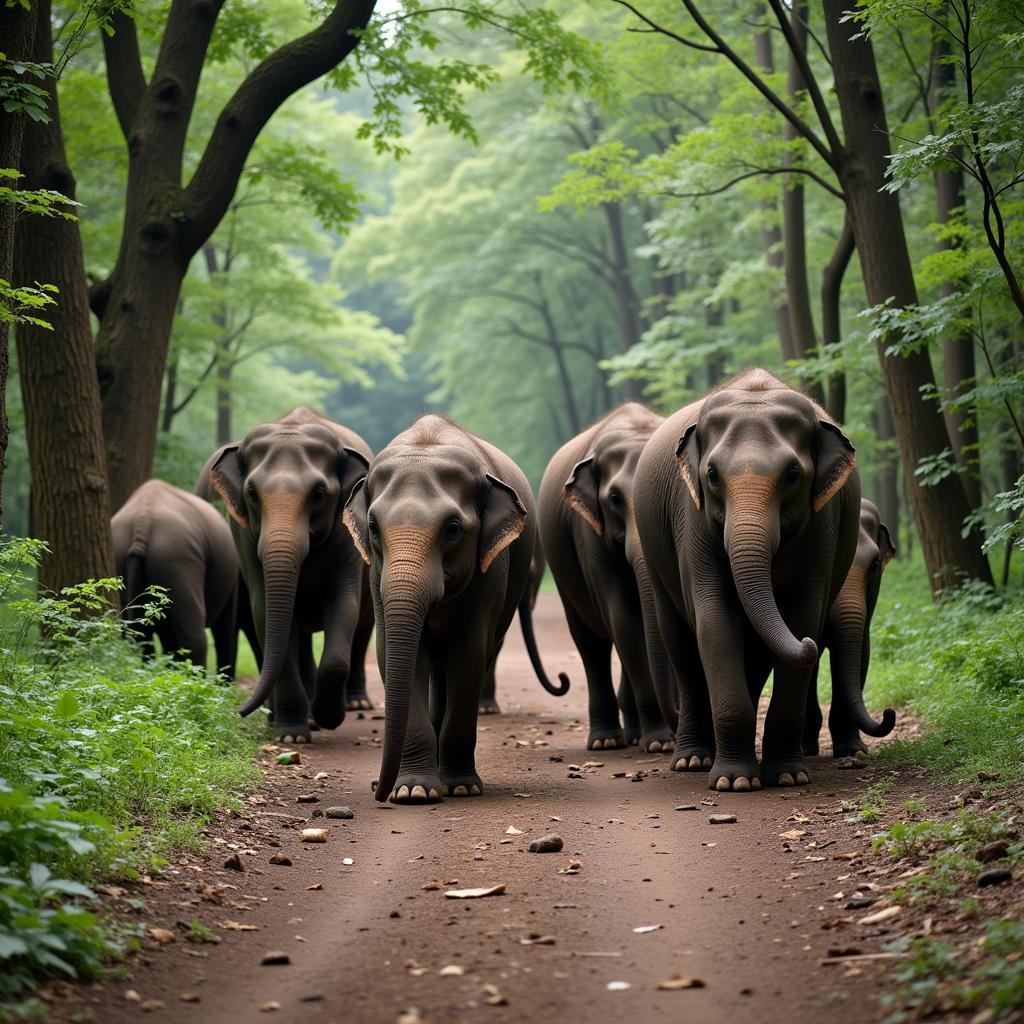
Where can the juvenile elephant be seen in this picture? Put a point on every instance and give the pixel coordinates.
(747, 503)
(285, 487)
(585, 510)
(848, 639)
(168, 537)
(446, 523)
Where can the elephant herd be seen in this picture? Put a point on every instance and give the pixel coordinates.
(711, 549)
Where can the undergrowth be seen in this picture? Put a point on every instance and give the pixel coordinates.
(108, 764)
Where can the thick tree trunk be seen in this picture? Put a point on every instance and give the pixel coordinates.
(831, 321)
(887, 484)
(625, 295)
(771, 232)
(58, 373)
(939, 510)
(17, 30)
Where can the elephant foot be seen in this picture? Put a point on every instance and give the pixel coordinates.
(606, 739)
(658, 742)
(811, 748)
(849, 746)
(462, 785)
(327, 714)
(416, 789)
(789, 772)
(358, 701)
(632, 735)
(735, 776)
(293, 734)
(488, 706)
(691, 759)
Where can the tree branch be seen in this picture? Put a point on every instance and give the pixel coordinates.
(756, 173)
(125, 79)
(267, 86)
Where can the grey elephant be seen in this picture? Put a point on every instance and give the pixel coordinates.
(447, 525)
(168, 537)
(747, 504)
(848, 639)
(588, 531)
(285, 487)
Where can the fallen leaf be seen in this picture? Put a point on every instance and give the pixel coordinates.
(513, 831)
(492, 997)
(537, 940)
(189, 997)
(618, 986)
(452, 971)
(236, 926)
(645, 928)
(676, 983)
(887, 914)
(270, 1006)
(793, 834)
(474, 894)
(315, 887)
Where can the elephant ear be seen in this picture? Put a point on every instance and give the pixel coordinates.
(353, 466)
(356, 519)
(834, 461)
(688, 460)
(886, 548)
(226, 475)
(503, 520)
(581, 493)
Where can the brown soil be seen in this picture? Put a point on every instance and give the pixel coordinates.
(750, 912)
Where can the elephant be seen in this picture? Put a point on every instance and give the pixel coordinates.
(747, 504)
(168, 537)
(447, 524)
(848, 639)
(588, 531)
(488, 692)
(285, 486)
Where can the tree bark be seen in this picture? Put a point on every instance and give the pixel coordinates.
(17, 30)
(224, 399)
(714, 364)
(771, 232)
(887, 489)
(625, 295)
(57, 368)
(831, 320)
(939, 510)
(165, 224)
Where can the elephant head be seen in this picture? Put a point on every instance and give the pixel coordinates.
(286, 486)
(759, 465)
(427, 522)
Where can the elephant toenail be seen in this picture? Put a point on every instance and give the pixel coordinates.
(418, 793)
(755, 783)
(694, 762)
(596, 745)
(723, 784)
(446, 790)
(802, 778)
(610, 744)
(786, 779)
(460, 791)
(680, 765)
(741, 784)
(474, 790)
(706, 763)
(434, 795)
(402, 793)
(861, 755)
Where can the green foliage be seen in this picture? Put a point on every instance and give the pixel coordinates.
(19, 95)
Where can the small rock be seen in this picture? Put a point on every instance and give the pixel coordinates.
(452, 971)
(234, 863)
(546, 844)
(162, 935)
(189, 997)
(270, 1006)
(395, 913)
(339, 812)
(321, 775)
(722, 819)
(859, 902)
(151, 1004)
(687, 807)
(885, 914)
(994, 876)
(992, 851)
(314, 835)
(275, 958)
(132, 996)
(411, 1015)
(312, 997)
(492, 997)
(988, 776)
(536, 939)
(307, 798)
(677, 983)
(282, 860)
(618, 986)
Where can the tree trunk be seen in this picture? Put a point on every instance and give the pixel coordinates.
(939, 510)
(714, 364)
(831, 320)
(57, 369)
(170, 395)
(625, 296)
(958, 349)
(887, 478)
(223, 399)
(771, 233)
(17, 30)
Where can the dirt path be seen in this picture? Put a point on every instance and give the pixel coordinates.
(748, 912)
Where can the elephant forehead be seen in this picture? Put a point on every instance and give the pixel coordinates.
(310, 445)
(434, 470)
(756, 422)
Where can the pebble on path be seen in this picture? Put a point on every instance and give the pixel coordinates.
(546, 844)
(339, 812)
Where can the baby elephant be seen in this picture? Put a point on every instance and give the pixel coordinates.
(447, 525)
(848, 638)
(168, 537)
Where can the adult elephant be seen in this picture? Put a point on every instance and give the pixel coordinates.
(748, 504)
(848, 639)
(285, 487)
(447, 524)
(588, 531)
(166, 537)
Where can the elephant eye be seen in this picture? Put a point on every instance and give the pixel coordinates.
(713, 478)
(250, 490)
(616, 500)
(374, 530)
(451, 530)
(318, 495)
(792, 475)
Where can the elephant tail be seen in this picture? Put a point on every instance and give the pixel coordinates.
(526, 621)
(135, 571)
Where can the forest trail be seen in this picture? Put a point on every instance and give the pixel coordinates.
(747, 911)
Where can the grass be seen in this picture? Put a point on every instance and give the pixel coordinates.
(108, 765)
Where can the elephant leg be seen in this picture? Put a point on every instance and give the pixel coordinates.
(225, 637)
(246, 621)
(464, 674)
(655, 735)
(846, 737)
(356, 697)
(721, 644)
(812, 716)
(183, 631)
(290, 700)
(627, 705)
(488, 692)
(596, 651)
(782, 749)
(418, 780)
(332, 674)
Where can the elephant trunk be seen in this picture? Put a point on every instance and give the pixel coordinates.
(283, 547)
(752, 538)
(407, 595)
(526, 621)
(848, 625)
